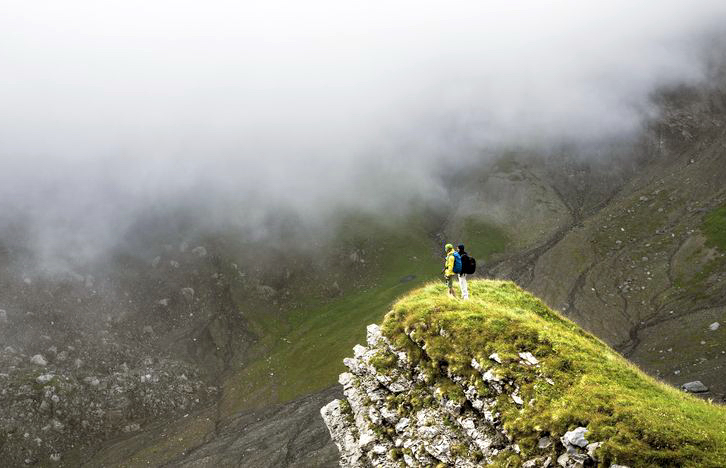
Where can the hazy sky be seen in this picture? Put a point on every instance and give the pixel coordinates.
(109, 106)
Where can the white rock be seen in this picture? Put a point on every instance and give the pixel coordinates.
(3, 316)
(475, 364)
(133, 427)
(374, 336)
(529, 358)
(359, 351)
(39, 360)
(92, 381)
(44, 379)
(575, 438)
(199, 251)
(345, 379)
(374, 416)
(402, 424)
(155, 262)
(495, 357)
(714, 326)
(516, 398)
(592, 448)
(366, 440)
(379, 449)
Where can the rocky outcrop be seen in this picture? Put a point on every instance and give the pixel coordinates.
(394, 414)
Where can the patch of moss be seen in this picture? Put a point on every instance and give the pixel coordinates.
(714, 227)
(641, 421)
(383, 361)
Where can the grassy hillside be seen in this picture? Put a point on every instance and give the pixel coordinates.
(302, 351)
(641, 422)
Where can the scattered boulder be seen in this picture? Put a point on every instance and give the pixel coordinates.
(694, 387)
(92, 381)
(155, 262)
(266, 291)
(575, 438)
(133, 427)
(714, 326)
(199, 251)
(529, 358)
(39, 360)
(44, 379)
(188, 294)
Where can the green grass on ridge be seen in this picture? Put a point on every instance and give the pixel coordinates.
(642, 422)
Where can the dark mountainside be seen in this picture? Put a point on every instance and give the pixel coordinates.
(192, 352)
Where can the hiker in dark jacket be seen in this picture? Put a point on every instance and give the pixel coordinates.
(462, 276)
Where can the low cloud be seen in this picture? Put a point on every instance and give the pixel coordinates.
(111, 108)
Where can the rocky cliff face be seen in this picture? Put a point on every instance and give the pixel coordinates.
(393, 415)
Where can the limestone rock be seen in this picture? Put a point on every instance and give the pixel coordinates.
(575, 438)
(39, 360)
(529, 358)
(45, 378)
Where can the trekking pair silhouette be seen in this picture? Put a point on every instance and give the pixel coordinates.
(458, 264)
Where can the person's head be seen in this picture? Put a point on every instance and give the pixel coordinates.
(461, 248)
(449, 248)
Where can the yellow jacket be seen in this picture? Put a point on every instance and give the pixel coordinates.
(449, 264)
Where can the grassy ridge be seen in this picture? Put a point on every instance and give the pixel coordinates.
(641, 421)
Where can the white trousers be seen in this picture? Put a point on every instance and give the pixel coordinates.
(463, 286)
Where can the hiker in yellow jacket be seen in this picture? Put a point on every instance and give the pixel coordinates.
(449, 264)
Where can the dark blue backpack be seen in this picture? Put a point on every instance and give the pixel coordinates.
(457, 262)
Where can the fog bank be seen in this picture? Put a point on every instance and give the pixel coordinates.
(110, 108)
